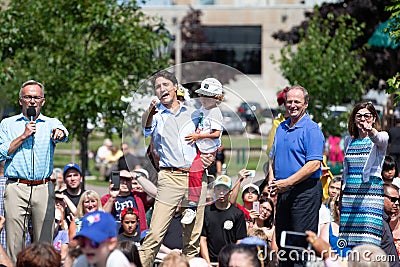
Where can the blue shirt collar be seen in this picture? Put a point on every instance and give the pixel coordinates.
(300, 123)
(163, 109)
(22, 117)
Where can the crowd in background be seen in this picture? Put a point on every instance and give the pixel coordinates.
(192, 216)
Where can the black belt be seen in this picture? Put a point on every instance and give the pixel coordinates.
(174, 169)
(30, 182)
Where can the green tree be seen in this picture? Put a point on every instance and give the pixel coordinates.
(394, 30)
(325, 63)
(88, 54)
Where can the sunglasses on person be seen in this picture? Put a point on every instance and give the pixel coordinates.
(84, 241)
(393, 199)
(269, 194)
(250, 190)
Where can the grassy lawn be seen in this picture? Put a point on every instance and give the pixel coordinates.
(95, 141)
(240, 156)
(237, 154)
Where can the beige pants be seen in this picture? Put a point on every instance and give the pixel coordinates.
(41, 212)
(172, 188)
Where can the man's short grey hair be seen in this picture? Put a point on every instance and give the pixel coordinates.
(57, 171)
(304, 90)
(368, 255)
(30, 82)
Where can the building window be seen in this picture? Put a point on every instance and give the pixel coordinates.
(149, 3)
(206, 2)
(236, 46)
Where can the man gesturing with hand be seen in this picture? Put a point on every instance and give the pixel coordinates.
(27, 143)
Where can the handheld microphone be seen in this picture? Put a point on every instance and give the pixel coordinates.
(31, 112)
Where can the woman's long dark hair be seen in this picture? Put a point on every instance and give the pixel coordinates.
(130, 251)
(351, 126)
(269, 222)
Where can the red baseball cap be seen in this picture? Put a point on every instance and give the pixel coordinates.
(281, 97)
(129, 210)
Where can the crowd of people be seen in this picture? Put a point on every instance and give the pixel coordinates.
(48, 219)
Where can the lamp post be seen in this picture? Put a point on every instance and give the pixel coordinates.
(178, 48)
(174, 40)
(164, 46)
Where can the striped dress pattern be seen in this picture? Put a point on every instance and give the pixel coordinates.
(362, 203)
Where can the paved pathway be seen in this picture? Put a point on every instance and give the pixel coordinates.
(101, 190)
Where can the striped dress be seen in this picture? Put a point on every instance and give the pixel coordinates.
(362, 203)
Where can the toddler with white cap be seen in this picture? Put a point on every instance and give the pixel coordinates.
(207, 138)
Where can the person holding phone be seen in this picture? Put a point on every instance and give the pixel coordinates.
(123, 196)
(266, 221)
(115, 180)
(250, 194)
(251, 204)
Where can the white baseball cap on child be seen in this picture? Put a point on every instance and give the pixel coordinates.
(210, 87)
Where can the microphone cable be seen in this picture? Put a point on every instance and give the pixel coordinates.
(26, 227)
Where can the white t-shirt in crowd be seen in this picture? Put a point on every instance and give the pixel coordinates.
(115, 259)
(212, 120)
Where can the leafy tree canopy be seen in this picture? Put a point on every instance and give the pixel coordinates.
(381, 62)
(325, 63)
(88, 54)
(394, 30)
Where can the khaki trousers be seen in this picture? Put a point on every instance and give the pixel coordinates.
(172, 188)
(41, 213)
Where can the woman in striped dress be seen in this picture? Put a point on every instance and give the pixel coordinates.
(362, 196)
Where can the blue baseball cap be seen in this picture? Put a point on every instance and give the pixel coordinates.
(253, 240)
(98, 226)
(143, 234)
(72, 165)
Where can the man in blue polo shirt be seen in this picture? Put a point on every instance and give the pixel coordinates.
(296, 168)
